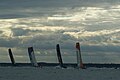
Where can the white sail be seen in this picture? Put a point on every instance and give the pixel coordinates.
(32, 56)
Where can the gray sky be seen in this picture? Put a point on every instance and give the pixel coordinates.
(44, 23)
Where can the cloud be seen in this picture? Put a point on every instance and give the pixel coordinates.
(9, 42)
(26, 8)
(27, 33)
(45, 23)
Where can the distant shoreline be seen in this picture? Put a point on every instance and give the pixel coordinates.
(74, 65)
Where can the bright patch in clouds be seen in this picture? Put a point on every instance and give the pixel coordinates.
(93, 34)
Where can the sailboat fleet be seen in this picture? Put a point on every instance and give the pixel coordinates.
(34, 61)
